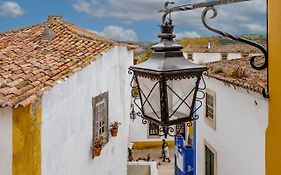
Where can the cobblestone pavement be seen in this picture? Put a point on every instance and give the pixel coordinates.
(164, 168)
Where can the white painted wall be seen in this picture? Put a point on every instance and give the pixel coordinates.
(231, 56)
(139, 132)
(239, 138)
(68, 118)
(185, 55)
(207, 57)
(134, 168)
(6, 140)
(200, 58)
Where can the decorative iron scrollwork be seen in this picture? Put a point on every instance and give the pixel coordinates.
(165, 131)
(210, 6)
(253, 59)
(236, 38)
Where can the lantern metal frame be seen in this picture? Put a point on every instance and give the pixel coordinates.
(168, 44)
(167, 130)
(168, 63)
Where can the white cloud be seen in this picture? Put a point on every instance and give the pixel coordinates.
(124, 10)
(10, 9)
(187, 34)
(249, 17)
(118, 33)
(255, 27)
(231, 18)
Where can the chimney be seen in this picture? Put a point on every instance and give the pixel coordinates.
(55, 18)
(48, 34)
(209, 45)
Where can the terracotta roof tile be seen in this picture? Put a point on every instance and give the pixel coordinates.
(31, 64)
(240, 73)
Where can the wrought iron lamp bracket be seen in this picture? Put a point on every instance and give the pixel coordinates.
(236, 38)
(210, 6)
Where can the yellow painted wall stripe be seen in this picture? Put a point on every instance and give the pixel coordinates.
(151, 144)
(191, 130)
(273, 134)
(27, 140)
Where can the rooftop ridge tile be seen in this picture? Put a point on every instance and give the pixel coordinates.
(29, 66)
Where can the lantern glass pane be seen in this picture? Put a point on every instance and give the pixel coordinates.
(150, 95)
(180, 96)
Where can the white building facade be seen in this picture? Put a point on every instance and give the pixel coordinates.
(144, 134)
(50, 128)
(202, 54)
(147, 136)
(231, 139)
(67, 118)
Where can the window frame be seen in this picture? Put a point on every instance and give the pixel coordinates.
(211, 148)
(190, 56)
(100, 126)
(152, 136)
(211, 121)
(245, 55)
(224, 56)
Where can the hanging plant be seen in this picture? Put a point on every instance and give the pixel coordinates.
(97, 146)
(114, 128)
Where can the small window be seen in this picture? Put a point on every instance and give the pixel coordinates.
(190, 56)
(245, 55)
(153, 129)
(224, 56)
(210, 160)
(211, 108)
(100, 117)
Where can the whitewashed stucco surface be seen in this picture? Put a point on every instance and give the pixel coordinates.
(231, 56)
(139, 132)
(6, 147)
(68, 118)
(239, 138)
(134, 167)
(200, 58)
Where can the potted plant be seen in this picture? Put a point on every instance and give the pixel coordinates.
(97, 146)
(114, 128)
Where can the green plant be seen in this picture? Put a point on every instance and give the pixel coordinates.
(114, 125)
(237, 72)
(97, 146)
(218, 69)
(98, 142)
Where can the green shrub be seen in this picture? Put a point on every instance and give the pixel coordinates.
(237, 72)
(218, 69)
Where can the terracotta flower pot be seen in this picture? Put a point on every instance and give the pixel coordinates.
(114, 132)
(96, 151)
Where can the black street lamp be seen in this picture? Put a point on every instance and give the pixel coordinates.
(167, 82)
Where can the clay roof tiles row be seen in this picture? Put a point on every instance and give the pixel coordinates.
(31, 65)
(239, 73)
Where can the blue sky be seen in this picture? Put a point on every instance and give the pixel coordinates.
(133, 19)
